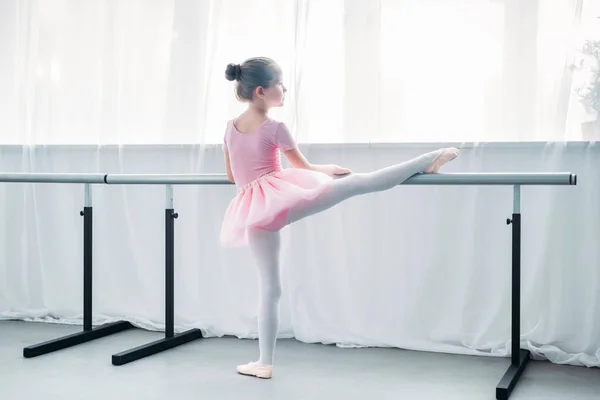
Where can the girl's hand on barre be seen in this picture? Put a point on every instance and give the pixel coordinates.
(332, 169)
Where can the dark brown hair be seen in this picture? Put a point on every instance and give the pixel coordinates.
(252, 73)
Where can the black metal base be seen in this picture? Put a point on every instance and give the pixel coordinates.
(171, 339)
(75, 339)
(156, 347)
(511, 376)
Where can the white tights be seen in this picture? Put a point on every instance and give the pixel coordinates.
(265, 245)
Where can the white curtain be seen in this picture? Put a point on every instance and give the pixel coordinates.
(419, 267)
(137, 86)
(152, 71)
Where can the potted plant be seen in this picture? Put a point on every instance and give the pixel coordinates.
(589, 92)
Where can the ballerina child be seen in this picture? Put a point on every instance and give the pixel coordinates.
(270, 197)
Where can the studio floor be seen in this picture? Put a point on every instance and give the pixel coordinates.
(205, 369)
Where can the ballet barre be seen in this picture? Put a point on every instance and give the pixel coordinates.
(481, 178)
(519, 357)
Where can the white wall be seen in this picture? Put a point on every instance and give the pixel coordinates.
(418, 267)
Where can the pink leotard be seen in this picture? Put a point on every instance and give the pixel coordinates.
(257, 153)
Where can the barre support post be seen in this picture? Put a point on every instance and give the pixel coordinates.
(89, 333)
(170, 340)
(170, 216)
(87, 259)
(518, 357)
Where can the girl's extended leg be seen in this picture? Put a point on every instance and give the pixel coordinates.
(265, 245)
(376, 181)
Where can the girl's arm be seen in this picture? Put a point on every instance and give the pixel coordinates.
(228, 168)
(297, 160)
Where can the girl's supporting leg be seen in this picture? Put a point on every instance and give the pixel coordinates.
(265, 246)
(376, 181)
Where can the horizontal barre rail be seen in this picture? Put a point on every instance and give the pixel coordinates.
(495, 178)
(167, 179)
(481, 178)
(26, 177)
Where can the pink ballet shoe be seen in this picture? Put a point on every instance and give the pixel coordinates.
(445, 155)
(257, 370)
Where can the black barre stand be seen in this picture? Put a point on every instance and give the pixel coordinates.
(170, 340)
(89, 333)
(519, 357)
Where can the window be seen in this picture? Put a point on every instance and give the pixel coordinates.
(357, 71)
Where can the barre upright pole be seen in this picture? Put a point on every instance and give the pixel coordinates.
(170, 216)
(87, 258)
(170, 340)
(519, 358)
(89, 333)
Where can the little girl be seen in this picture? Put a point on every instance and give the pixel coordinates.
(269, 197)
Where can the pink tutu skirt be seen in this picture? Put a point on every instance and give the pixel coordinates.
(264, 203)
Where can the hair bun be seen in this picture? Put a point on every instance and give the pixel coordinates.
(233, 72)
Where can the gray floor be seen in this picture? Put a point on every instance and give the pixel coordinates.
(205, 369)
